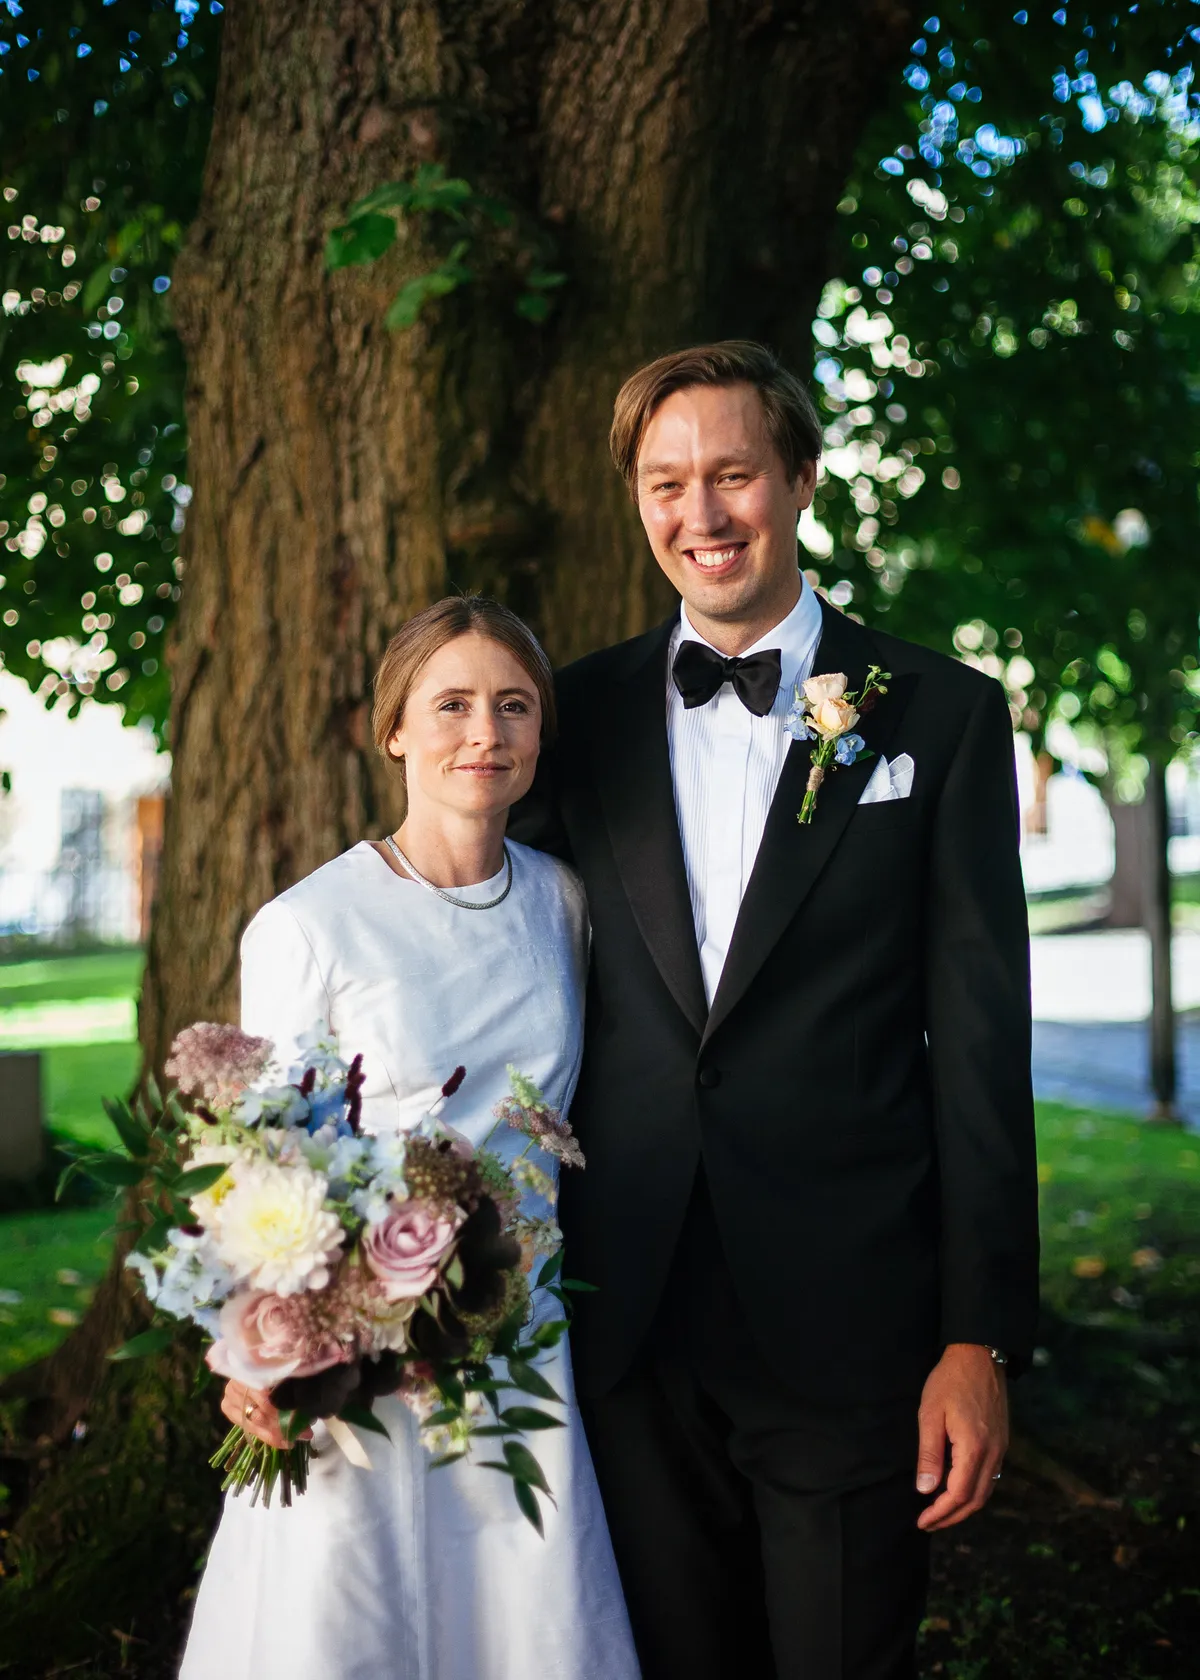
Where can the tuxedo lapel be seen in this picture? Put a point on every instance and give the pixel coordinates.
(791, 855)
(633, 778)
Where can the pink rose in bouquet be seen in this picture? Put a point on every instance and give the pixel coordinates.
(266, 1338)
(405, 1250)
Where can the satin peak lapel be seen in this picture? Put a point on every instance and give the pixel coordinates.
(791, 855)
(633, 778)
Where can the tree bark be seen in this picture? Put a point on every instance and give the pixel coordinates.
(1163, 1056)
(1131, 852)
(687, 157)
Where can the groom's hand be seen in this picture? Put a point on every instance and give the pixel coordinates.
(964, 1404)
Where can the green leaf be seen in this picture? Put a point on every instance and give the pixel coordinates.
(446, 1458)
(196, 1179)
(133, 1133)
(363, 1418)
(446, 1414)
(394, 195)
(550, 1269)
(293, 1423)
(98, 283)
(524, 1465)
(360, 241)
(451, 1389)
(544, 280)
(454, 1273)
(533, 1382)
(153, 1237)
(549, 1335)
(528, 1501)
(528, 1417)
(150, 1341)
(65, 1177)
(579, 1287)
(115, 1172)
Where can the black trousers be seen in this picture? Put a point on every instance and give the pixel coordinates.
(758, 1534)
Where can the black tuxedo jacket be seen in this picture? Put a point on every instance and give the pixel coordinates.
(859, 1092)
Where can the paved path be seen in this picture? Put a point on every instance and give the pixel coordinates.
(1091, 996)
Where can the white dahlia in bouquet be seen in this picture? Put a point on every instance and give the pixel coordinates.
(332, 1266)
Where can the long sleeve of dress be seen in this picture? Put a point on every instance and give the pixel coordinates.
(283, 992)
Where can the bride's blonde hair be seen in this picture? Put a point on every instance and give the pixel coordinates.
(415, 643)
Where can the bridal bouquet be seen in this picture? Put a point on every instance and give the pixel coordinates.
(333, 1267)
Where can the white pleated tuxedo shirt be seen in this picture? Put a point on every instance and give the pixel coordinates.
(725, 767)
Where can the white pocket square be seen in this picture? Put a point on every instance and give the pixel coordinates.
(890, 779)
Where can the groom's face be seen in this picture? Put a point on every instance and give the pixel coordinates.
(720, 510)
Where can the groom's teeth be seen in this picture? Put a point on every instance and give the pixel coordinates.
(715, 557)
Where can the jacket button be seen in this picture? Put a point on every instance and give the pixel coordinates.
(710, 1078)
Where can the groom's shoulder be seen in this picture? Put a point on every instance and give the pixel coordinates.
(949, 676)
(596, 671)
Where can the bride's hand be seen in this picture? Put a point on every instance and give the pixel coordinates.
(252, 1409)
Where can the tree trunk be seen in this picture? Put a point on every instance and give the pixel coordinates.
(686, 158)
(1132, 845)
(1158, 924)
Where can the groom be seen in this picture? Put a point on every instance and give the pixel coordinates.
(810, 1201)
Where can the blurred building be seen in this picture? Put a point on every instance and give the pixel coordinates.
(80, 821)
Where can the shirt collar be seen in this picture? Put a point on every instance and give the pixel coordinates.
(796, 636)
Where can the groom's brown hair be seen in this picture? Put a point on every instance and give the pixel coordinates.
(792, 421)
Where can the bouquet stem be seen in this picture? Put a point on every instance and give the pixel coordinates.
(251, 1463)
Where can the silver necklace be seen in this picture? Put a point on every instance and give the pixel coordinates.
(462, 903)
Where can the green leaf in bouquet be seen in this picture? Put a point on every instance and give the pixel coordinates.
(550, 1334)
(115, 1172)
(72, 1169)
(454, 1273)
(197, 1179)
(524, 1466)
(362, 1417)
(491, 1429)
(506, 1338)
(533, 1382)
(527, 1500)
(154, 1237)
(133, 1132)
(443, 1459)
(550, 1269)
(154, 1093)
(579, 1287)
(150, 1341)
(444, 1415)
(528, 1417)
(292, 1424)
(451, 1389)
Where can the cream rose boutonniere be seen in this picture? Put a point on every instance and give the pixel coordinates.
(823, 712)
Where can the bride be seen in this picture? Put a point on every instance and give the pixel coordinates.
(439, 945)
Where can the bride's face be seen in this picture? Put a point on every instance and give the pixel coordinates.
(471, 728)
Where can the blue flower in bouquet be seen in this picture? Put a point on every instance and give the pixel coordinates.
(848, 748)
(274, 1105)
(327, 1108)
(192, 1283)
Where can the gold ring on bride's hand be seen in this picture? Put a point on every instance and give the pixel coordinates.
(249, 1410)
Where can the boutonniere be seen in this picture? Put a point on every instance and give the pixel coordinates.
(822, 711)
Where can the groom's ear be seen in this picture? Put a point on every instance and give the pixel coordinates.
(805, 485)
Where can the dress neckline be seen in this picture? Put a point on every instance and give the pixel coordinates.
(476, 889)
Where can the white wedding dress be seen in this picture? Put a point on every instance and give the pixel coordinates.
(401, 1572)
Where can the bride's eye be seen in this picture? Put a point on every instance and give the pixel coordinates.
(518, 706)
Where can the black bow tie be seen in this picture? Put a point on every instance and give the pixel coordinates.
(700, 670)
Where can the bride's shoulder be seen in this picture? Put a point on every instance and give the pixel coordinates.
(312, 900)
(548, 874)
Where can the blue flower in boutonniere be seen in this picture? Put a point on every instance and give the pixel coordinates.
(823, 711)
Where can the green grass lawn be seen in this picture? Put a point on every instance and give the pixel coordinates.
(50, 1263)
(67, 979)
